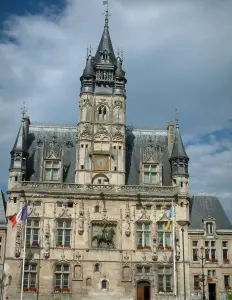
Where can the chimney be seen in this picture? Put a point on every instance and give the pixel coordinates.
(170, 134)
(26, 125)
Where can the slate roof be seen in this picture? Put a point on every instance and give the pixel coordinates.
(178, 150)
(203, 206)
(105, 44)
(2, 209)
(40, 135)
(136, 142)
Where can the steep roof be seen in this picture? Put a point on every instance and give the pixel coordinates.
(105, 44)
(178, 150)
(203, 206)
(20, 142)
(2, 209)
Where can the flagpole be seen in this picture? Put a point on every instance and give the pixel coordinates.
(174, 248)
(24, 257)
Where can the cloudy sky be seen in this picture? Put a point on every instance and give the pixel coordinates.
(177, 54)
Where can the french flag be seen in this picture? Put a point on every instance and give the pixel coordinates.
(20, 216)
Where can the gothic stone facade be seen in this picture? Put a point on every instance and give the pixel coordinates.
(100, 195)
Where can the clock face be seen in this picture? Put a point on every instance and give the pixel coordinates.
(101, 163)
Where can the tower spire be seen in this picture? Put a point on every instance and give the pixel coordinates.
(106, 3)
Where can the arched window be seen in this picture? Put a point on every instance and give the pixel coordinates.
(102, 113)
(97, 209)
(97, 267)
(104, 284)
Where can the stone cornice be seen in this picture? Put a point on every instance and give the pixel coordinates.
(114, 190)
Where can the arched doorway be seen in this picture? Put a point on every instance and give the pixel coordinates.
(143, 290)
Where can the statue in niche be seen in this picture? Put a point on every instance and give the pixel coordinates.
(127, 226)
(18, 241)
(177, 249)
(47, 242)
(154, 256)
(106, 236)
(81, 223)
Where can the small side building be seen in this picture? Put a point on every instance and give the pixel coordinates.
(210, 248)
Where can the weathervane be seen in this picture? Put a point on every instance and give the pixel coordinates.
(107, 14)
(23, 110)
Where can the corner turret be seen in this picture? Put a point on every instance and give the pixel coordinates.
(88, 77)
(19, 154)
(179, 162)
(120, 80)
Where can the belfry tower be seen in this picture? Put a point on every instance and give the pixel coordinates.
(102, 117)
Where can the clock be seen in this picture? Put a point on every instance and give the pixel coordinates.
(101, 163)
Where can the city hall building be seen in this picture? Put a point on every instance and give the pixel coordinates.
(100, 196)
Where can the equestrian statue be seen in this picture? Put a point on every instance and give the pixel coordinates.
(106, 236)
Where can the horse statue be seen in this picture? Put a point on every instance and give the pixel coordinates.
(106, 236)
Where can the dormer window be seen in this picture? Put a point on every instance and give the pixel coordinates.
(209, 227)
(52, 168)
(150, 174)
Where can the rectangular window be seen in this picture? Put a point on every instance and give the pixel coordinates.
(164, 236)
(210, 251)
(64, 233)
(195, 250)
(143, 235)
(165, 279)
(226, 280)
(150, 174)
(209, 227)
(212, 273)
(30, 276)
(32, 233)
(62, 278)
(143, 270)
(52, 170)
(225, 252)
(196, 282)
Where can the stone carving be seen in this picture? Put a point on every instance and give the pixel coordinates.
(127, 221)
(154, 256)
(104, 235)
(69, 143)
(47, 241)
(86, 134)
(81, 218)
(152, 152)
(177, 248)
(156, 190)
(18, 241)
(53, 149)
(118, 136)
(102, 133)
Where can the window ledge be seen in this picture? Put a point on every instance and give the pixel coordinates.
(62, 292)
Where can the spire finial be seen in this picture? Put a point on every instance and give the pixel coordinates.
(118, 52)
(105, 2)
(90, 50)
(177, 118)
(87, 52)
(122, 55)
(23, 110)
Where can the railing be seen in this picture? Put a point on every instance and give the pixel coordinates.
(164, 190)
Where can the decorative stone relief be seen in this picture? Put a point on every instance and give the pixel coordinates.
(47, 241)
(81, 218)
(177, 248)
(65, 212)
(127, 220)
(102, 133)
(103, 234)
(86, 133)
(155, 256)
(18, 241)
(53, 149)
(32, 211)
